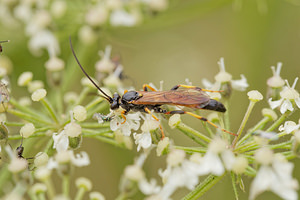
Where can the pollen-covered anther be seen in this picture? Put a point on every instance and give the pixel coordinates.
(27, 130)
(267, 112)
(255, 95)
(174, 120)
(25, 78)
(80, 113)
(134, 173)
(264, 156)
(38, 95)
(83, 182)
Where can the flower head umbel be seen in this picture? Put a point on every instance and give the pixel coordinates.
(289, 98)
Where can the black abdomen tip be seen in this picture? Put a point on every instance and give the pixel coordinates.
(215, 105)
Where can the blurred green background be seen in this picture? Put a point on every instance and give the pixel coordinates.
(186, 41)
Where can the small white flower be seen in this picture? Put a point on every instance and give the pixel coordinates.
(44, 39)
(38, 94)
(97, 15)
(55, 64)
(80, 159)
(255, 95)
(132, 122)
(27, 130)
(25, 78)
(35, 85)
(143, 140)
(72, 129)
(41, 159)
(240, 85)
(134, 172)
(289, 127)
(276, 81)
(122, 18)
(150, 187)
(87, 35)
(288, 96)
(96, 196)
(225, 77)
(61, 141)
(83, 183)
(276, 177)
(80, 113)
(105, 64)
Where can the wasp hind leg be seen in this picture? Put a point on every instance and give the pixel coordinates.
(198, 117)
(154, 117)
(193, 87)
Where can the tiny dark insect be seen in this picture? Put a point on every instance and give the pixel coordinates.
(145, 101)
(1, 49)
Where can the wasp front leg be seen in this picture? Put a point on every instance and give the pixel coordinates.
(193, 87)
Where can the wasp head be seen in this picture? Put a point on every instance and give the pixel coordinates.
(115, 102)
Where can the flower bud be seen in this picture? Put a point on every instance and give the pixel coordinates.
(38, 95)
(83, 183)
(27, 130)
(25, 78)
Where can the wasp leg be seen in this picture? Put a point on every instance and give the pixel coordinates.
(193, 87)
(123, 116)
(145, 86)
(198, 117)
(160, 127)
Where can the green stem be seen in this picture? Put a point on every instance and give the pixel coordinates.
(80, 193)
(50, 188)
(49, 108)
(19, 137)
(84, 93)
(66, 186)
(192, 149)
(203, 187)
(5, 175)
(193, 134)
(102, 106)
(28, 117)
(260, 124)
(103, 132)
(41, 196)
(93, 103)
(246, 117)
(233, 180)
(279, 121)
(95, 125)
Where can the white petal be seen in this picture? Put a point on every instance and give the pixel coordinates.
(114, 124)
(228, 159)
(297, 101)
(148, 188)
(275, 104)
(61, 141)
(286, 105)
(265, 177)
(81, 159)
(122, 18)
(211, 164)
(143, 140)
(241, 84)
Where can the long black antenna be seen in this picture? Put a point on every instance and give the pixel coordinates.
(108, 98)
(4, 41)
